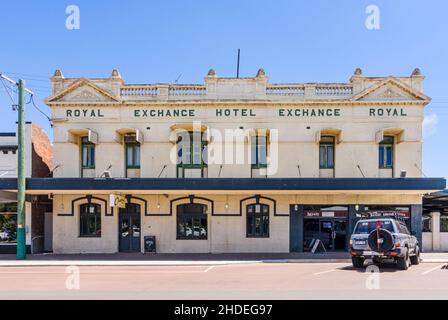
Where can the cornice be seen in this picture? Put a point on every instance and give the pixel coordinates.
(239, 103)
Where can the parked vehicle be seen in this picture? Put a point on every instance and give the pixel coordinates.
(383, 240)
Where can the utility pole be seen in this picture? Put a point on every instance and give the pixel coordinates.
(21, 232)
(21, 176)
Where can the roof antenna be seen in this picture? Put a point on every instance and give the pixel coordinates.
(238, 65)
(177, 80)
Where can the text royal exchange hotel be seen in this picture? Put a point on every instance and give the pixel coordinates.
(232, 165)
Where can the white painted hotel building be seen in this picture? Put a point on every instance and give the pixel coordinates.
(231, 165)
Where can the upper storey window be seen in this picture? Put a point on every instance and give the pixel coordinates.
(191, 154)
(259, 151)
(87, 154)
(326, 152)
(132, 152)
(386, 153)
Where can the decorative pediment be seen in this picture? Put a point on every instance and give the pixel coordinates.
(390, 89)
(83, 90)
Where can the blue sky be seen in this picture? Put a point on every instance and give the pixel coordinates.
(294, 41)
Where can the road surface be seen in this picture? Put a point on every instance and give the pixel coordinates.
(237, 281)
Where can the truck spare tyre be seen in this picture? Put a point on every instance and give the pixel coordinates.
(381, 240)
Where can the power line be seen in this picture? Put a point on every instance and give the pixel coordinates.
(7, 91)
(42, 112)
(27, 74)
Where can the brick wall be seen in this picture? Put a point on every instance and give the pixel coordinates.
(41, 166)
(42, 153)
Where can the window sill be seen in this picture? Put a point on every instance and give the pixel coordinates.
(257, 237)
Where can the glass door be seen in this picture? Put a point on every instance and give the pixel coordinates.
(129, 228)
(326, 234)
(340, 235)
(331, 232)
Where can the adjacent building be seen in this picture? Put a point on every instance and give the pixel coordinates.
(233, 164)
(38, 207)
(435, 221)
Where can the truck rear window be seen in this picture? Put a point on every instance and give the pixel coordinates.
(365, 227)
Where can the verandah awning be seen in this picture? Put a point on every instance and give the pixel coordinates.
(377, 185)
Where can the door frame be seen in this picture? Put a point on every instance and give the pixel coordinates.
(119, 227)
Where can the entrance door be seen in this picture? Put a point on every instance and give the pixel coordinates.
(326, 234)
(129, 228)
(332, 233)
(340, 234)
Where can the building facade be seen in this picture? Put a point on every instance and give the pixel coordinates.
(231, 165)
(38, 164)
(435, 221)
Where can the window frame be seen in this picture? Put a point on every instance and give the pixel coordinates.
(251, 226)
(91, 147)
(382, 150)
(443, 225)
(97, 217)
(180, 165)
(256, 161)
(182, 216)
(426, 222)
(134, 146)
(327, 145)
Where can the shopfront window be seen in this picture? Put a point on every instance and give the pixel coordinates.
(325, 227)
(444, 222)
(8, 222)
(326, 152)
(257, 221)
(87, 154)
(191, 154)
(427, 222)
(192, 222)
(386, 153)
(90, 220)
(259, 151)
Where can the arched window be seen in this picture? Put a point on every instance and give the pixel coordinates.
(192, 221)
(257, 221)
(90, 220)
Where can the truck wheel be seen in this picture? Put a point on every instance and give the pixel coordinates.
(357, 262)
(415, 260)
(403, 262)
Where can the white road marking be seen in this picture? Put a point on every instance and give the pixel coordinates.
(107, 272)
(324, 272)
(433, 269)
(209, 268)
